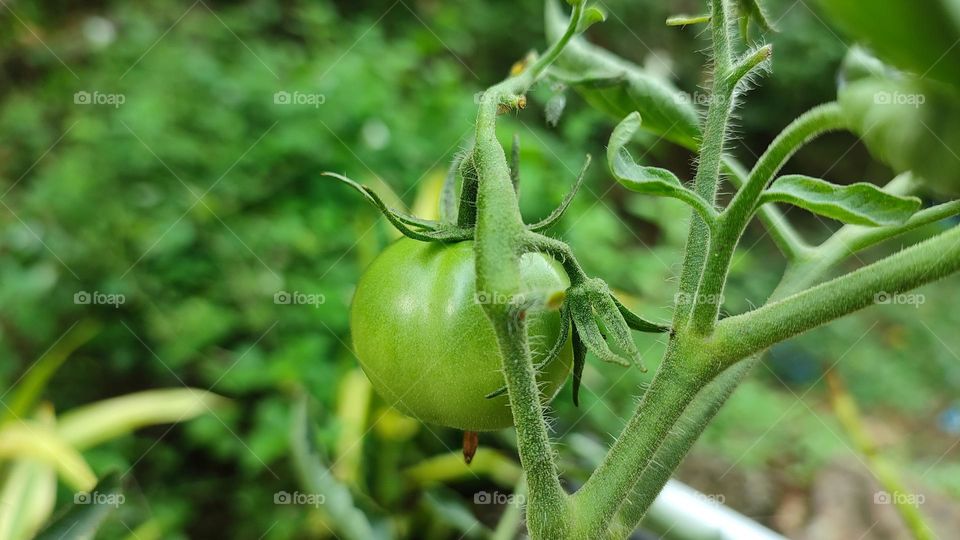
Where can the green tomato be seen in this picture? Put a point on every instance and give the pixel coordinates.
(424, 341)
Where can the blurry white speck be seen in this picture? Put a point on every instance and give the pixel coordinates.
(375, 134)
(659, 63)
(99, 32)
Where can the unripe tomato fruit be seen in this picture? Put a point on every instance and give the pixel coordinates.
(426, 345)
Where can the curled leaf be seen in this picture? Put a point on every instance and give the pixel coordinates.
(859, 204)
(591, 16)
(648, 180)
(555, 216)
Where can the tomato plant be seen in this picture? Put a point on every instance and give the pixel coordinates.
(707, 354)
(416, 300)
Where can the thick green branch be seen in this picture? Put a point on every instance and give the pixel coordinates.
(673, 387)
(743, 335)
(668, 457)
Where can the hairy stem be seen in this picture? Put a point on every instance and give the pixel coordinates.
(668, 457)
(734, 220)
(672, 388)
(710, 157)
(500, 236)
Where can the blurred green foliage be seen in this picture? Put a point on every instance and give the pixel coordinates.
(199, 198)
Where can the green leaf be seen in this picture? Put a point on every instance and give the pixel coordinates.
(750, 10)
(27, 391)
(618, 87)
(911, 124)
(591, 16)
(29, 439)
(859, 204)
(89, 425)
(83, 520)
(649, 180)
(314, 476)
(919, 36)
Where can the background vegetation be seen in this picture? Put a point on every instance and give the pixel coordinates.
(199, 198)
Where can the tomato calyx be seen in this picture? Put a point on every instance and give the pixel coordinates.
(424, 230)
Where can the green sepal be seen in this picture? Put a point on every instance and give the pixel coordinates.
(591, 305)
(411, 227)
(579, 361)
(555, 216)
(613, 321)
(637, 322)
(554, 351)
(469, 184)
